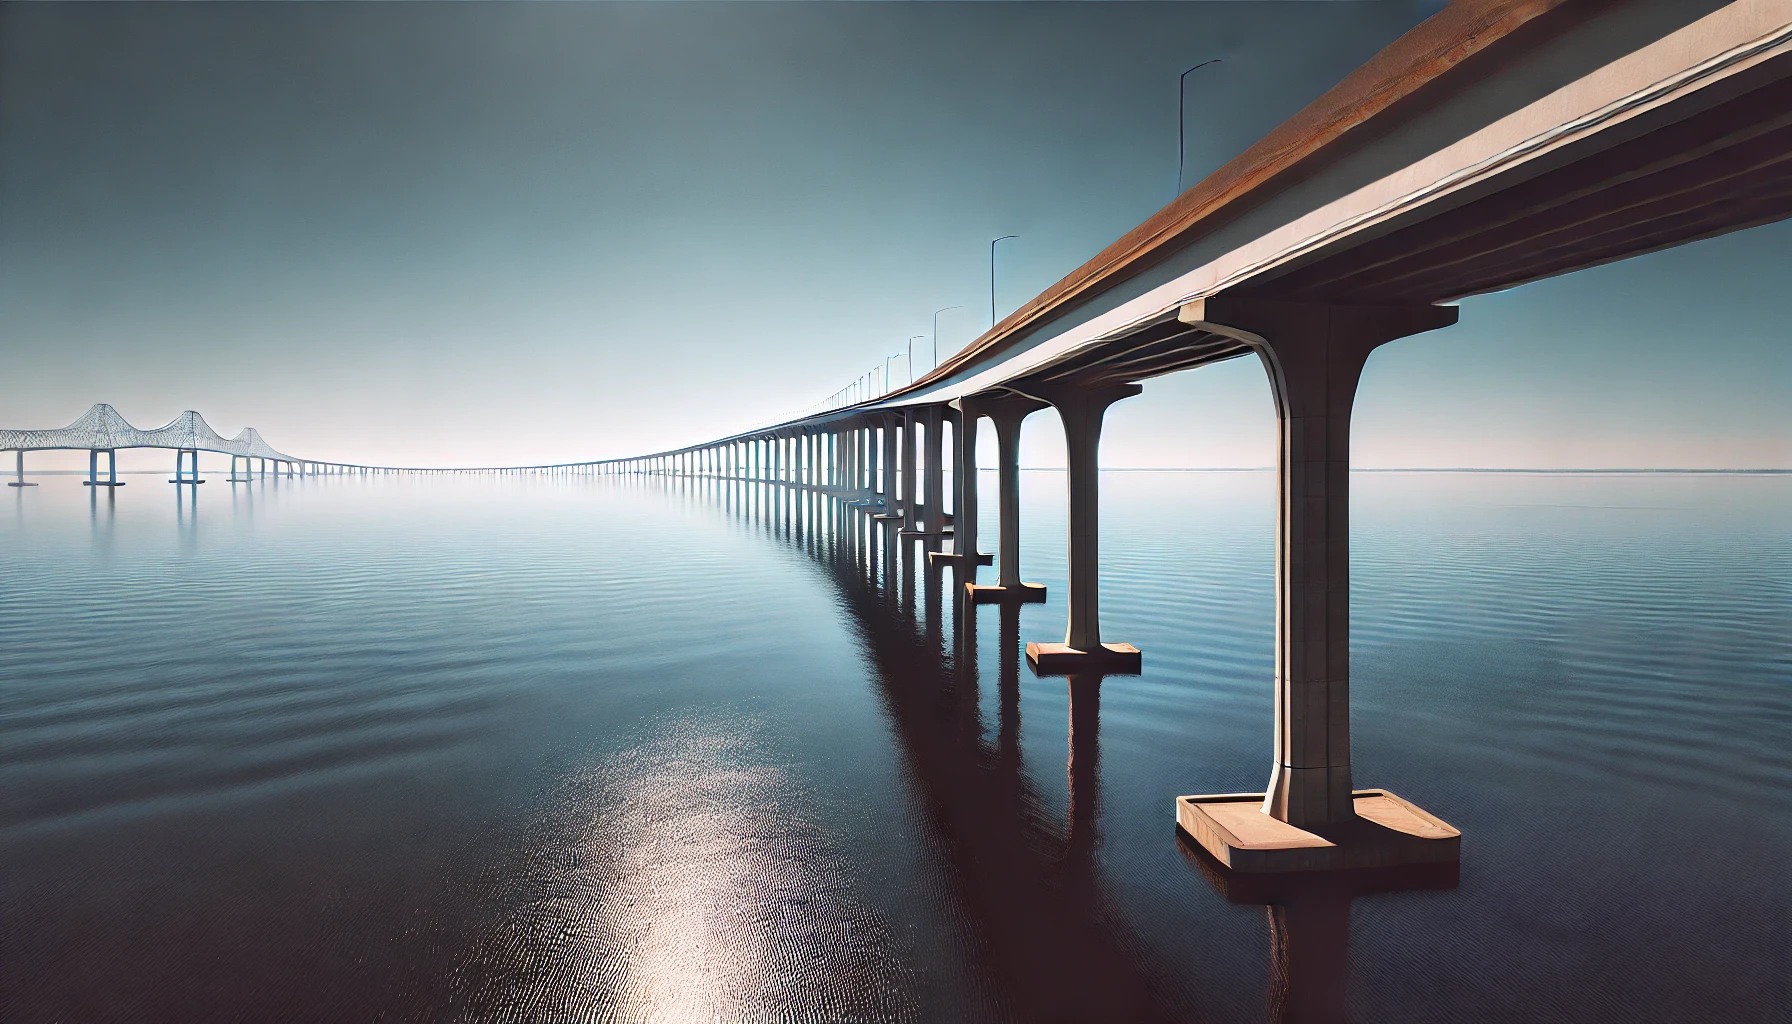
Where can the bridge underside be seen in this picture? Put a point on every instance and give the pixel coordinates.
(1689, 172)
(1693, 172)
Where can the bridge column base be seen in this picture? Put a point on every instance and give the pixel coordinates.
(954, 558)
(1014, 593)
(1386, 831)
(101, 483)
(21, 485)
(1055, 659)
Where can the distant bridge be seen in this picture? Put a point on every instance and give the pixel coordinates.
(1499, 142)
(102, 430)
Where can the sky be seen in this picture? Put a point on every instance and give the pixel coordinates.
(470, 234)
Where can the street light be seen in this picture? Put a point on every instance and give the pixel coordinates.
(911, 356)
(936, 334)
(1180, 80)
(887, 359)
(992, 277)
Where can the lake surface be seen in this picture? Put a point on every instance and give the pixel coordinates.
(528, 750)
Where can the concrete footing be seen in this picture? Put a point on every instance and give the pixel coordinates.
(1055, 659)
(1387, 831)
(186, 481)
(101, 483)
(954, 558)
(1019, 593)
(21, 485)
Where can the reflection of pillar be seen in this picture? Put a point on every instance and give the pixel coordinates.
(1309, 964)
(932, 578)
(1314, 356)
(964, 624)
(907, 554)
(886, 541)
(1085, 757)
(1008, 683)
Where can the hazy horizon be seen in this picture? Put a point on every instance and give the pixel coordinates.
(476, 235)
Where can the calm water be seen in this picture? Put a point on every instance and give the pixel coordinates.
(587, 750)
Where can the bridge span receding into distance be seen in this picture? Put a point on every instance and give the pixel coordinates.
(1499, 142)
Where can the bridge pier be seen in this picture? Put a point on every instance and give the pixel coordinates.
(867, 471)
(93, 462)
(1007, 413)
(927, 514)
(1310, 817)
(179, 454)
(889, 424)
(1083, 652)
(19, 471)
(910, 508)
(964, 553)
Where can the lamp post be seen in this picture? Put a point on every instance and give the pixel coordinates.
(936, 334)
(1180, 80)
(911, 355)
(992, 277)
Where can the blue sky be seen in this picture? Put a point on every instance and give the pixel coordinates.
(511, 233)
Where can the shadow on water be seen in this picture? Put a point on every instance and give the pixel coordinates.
(1309, 926)
(1028, 886)
(1031, 887)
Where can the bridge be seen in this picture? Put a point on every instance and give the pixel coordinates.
(1499, 142)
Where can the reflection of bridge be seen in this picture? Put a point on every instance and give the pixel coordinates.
(1032, 892)
(1499, 142)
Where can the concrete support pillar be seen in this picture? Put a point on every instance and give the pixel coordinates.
(964, 482)
(891, 423)
(19, 471)
(869, 474)
(1007, 413)
(856, 463)
(93, 467)
(933, 501)
(1314, 356)
(1081, 410)
(1083, 767)
(955, 459)
(910, 507)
